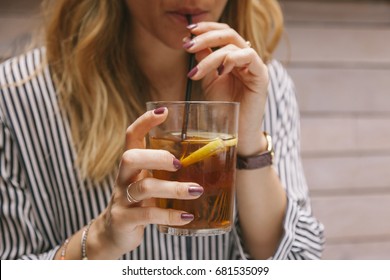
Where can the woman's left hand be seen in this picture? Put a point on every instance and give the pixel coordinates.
(231, 71)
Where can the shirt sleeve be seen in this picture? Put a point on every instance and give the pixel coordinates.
(303, 236)
(303, 233)
(20, 236)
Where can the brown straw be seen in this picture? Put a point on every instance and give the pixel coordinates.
(188, 88)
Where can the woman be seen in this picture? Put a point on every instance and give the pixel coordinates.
(67, 108)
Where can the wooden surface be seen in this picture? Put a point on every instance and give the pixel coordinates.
(338, 53)
(18, 19)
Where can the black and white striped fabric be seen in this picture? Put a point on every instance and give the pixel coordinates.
(43, 199)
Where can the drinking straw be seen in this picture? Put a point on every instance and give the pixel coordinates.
(191, 64)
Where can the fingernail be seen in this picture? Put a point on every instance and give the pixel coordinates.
(192, 72)
(177, 163)
(159, 111)
(192, 26)
(220, 69)
(187, 217)
(188, 44)
(195, 190)
(186, 39)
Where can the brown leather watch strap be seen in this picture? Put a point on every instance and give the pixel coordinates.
(257, 161)
(254, 162)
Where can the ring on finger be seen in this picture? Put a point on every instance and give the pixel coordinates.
(131, 198)
(249, 44)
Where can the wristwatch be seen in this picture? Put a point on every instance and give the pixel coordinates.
(257, 161)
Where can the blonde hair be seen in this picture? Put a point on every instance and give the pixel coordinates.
(99, 84)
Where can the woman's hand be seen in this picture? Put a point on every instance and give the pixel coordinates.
(121, 226)
(232, 72)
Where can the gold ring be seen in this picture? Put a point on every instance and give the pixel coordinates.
(131, 198)
(249, 44)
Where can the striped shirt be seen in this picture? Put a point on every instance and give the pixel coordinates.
(44, 200)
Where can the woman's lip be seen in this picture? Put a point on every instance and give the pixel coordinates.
(189, 11)
(181, 15)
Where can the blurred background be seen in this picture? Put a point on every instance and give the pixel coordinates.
(338, 54)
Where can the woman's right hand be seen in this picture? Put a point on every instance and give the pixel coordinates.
(120, 228)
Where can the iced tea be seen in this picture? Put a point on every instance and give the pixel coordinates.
(214, 171)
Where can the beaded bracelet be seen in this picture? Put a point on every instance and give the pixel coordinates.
(64, 247)
(84, 241)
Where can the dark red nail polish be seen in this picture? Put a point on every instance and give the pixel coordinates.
(192, 26)
(195, 190)
(188, 44)
(187, 217)
(177, 163)
(220, 69)
(159, 111)
(192, 72)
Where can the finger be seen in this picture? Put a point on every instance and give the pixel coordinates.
(202, 54)
(243, 58)
(202, 27)
(154, 215)
(213, 39)
(211, 67)
(154, 188)
(225, 59)
(135, 133)
(135, 160)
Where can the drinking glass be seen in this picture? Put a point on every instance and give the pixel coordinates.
(203, 136)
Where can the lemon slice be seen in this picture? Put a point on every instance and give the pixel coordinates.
(208, 150)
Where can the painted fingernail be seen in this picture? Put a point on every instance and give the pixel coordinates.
(187, 217)
(188, 44)
(177, 163)
(192, 26)
(192, 72)
(195, 190)
(220, 69)
(159, 111)
(186, 39)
